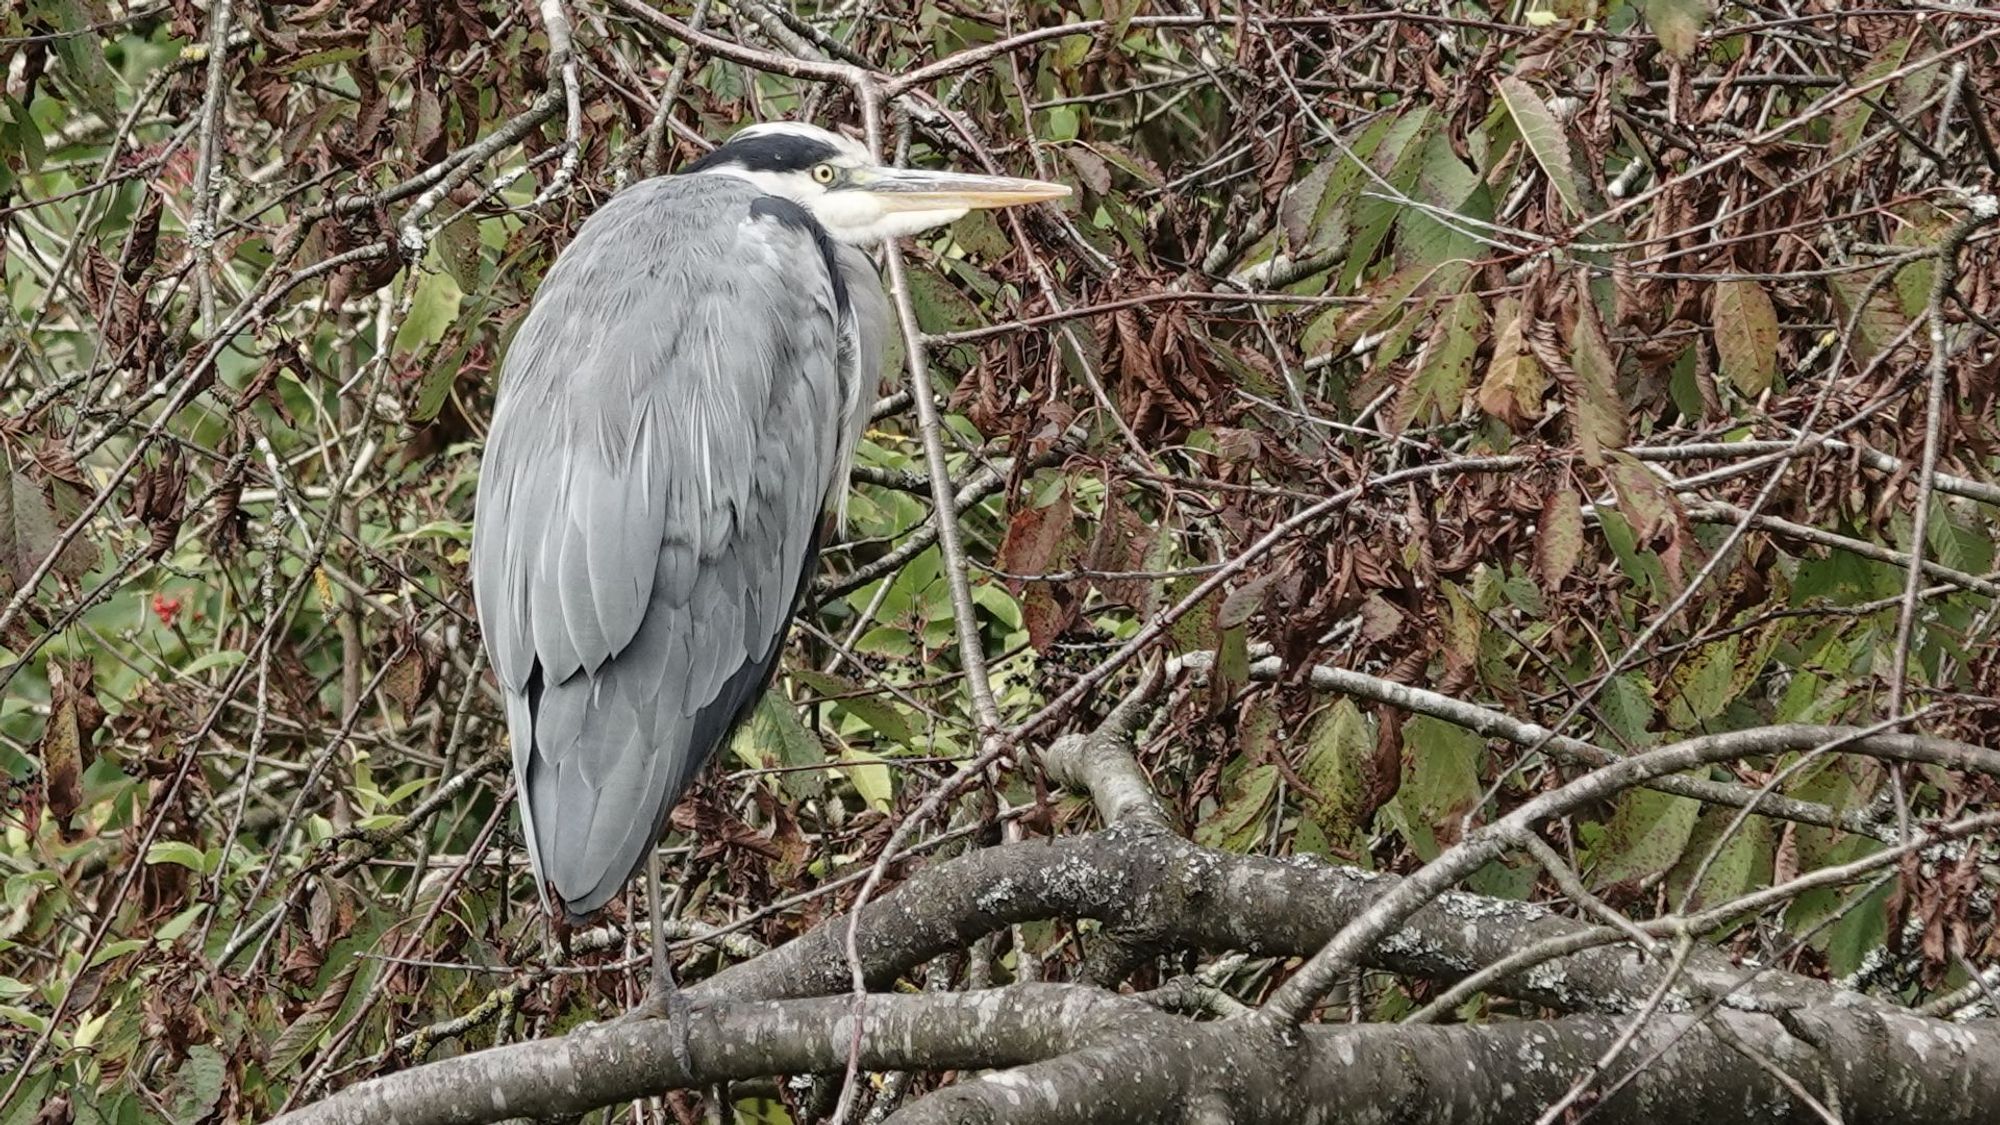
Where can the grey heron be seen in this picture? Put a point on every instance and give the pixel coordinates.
(676, 412)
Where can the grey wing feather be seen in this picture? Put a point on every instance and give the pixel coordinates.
(670, 424)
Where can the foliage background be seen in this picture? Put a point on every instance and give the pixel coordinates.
(1472, 347)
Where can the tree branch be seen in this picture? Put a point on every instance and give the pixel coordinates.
(1095, 1056)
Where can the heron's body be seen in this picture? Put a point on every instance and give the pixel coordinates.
(650, 498)
(675, 413)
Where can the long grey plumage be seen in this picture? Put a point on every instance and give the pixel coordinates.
(650, 499)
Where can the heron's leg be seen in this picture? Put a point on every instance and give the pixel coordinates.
(656, 899)
(664, 999)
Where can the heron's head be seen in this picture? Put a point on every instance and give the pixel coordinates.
(857, 200)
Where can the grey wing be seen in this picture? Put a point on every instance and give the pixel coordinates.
(667, 433)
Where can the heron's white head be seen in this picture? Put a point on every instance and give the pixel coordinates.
(858, 201)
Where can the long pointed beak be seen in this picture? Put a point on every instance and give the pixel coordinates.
(912, 189)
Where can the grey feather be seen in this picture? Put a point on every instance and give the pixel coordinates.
(676, 409)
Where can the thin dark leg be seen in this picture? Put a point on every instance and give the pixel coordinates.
(656, 899)
(664, 999)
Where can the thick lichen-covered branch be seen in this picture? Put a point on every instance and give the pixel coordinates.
(1087, 1055)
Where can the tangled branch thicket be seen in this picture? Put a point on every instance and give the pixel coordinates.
(1453, 581)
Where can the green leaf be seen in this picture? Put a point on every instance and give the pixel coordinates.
(432, 309)
(869, 777)
(1440, 781)
(979, 234)
(1878, 323)
(881, 716)
(1138, 167)
(1334, 765)
(197, 1085)
(1298, 205)
(1627, 707)
(332, 56)
(1644, 498)
(80, 50)
(939, 305)
(1545, 139)
(1337, 329)
(1923, 227)
(1678, 23)
(20, 136)
(1624, 545)
(1436, 391)
(1427, 240)
(1062, 124)
(1959, 537)
(1746, 335)
(1646, 837)
(1463, 625)
(1850, 118)
(1244, 602)
(112, 951)
(1331, 218)
(1701, 685)
(1835, 782)
(775, 739)
(221, 658)
(180, 852)
(174, 927)
(23, 1018)
(1238, 823)
(1742, 863)
(1860, 933)
(1399, 161)
(459, 248)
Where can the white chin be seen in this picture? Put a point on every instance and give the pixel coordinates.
(893, 224)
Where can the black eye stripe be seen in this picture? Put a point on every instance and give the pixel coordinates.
(768, 152)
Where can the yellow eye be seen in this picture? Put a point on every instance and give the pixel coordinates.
(823, 173)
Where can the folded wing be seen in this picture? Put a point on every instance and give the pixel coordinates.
(670, 422)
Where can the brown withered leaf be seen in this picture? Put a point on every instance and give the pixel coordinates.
(1380, 619)
(264, 384)
(1514, 382)
(269, 89)
(1280, 160)
(1654, 513)
(230, 524)
(1592, 386)
(1048, 610)
(1244, 602)
(426, 126)
(302, 1033)
(1648, 504)
(1663, 350)
(66, 744)
(1558, 538)
(1136, 359)
(1033, 536)
(172, 1007)
(1122, 541)
(412, 673)
(159, 500)
(1090, 168)
(55, 1111)
(142, 244)
(1746, 335)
